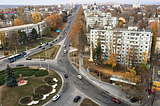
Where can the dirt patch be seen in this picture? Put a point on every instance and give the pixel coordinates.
(104, 69)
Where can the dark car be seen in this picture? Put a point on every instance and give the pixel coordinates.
(28, 58)
(116, 100)
(46, 43)
(50, 44)
(56, 40)
(39, 46)
(23, 53)
(19, 65)
(134, 99)
(65, 75)
(52, 41)
(76, 99)
(43, 48)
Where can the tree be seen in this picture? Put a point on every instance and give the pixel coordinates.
(98, 51)
(18, 22)
(48, 32)
(156, 15)
(23, 37)
(114, 49)
(34, 34)
(10, 77)
(36, 17)
(153, 59)
(146, 13)
(93, 54)
(78, 32)
(121, 24)
(3, 40)
(2, 16)
(130, 76)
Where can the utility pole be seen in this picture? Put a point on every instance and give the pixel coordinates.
(39, 61)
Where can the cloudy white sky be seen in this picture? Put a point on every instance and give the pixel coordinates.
(50, 2)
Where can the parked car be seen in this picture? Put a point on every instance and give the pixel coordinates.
(19, 65)
(42, 59)
(63, 55)
(28, 58)
(55, 97)
(52, 41)
(60, 37)
(116, 100)
(46, 43)
(65, 75)
(56, 40)
(79, 76)
(151, 91)
(43, 48)
(134, 99)
(76, 99)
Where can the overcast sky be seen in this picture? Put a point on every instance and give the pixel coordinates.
(51, 2)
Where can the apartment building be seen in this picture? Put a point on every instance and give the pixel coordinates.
(128, 38)
(95, 16)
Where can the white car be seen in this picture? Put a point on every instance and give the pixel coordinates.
(79, 76)
(64, 46)
(55, 97)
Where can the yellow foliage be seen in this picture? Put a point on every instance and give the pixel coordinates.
(18, 22)
(36, 17)
(131, 75)
(145, 57)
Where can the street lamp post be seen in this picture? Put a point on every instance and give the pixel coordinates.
(39, 61)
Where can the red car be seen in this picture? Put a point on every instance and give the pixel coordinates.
(116, 100)
(59, 37)
(151, 91)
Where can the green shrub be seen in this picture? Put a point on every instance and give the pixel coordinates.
(15, 68)
(40, 73)
(2, 81)
(27, 72)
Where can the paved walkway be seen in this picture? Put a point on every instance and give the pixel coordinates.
(113, 90)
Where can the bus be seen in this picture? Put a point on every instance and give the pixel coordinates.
(116, 78)
(14, 57)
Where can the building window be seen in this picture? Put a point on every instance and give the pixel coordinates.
(137, 35)
(146, 46)
(142, 34)
(136, 42)
(139, 60)
(140, 49)
(140, 53)
(128, 38)
(147, 35)
(146, 42)
(135, 38)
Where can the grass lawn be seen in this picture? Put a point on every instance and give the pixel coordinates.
(88, 102)
(52, 51)
(11, 96)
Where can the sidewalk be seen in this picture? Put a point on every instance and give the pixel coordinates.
(113, 90)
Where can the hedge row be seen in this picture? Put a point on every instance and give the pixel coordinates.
(24, 72)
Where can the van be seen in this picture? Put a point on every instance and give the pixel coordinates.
(65, 51)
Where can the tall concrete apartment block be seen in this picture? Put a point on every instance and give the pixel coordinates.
(127, 37)
(94, 15)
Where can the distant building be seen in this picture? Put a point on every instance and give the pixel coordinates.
(8, 14)
(136, 5)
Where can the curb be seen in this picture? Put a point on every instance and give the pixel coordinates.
(58, 91)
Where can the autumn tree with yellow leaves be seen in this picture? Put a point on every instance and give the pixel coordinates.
(54, 21)
(77, 35)
(36, 17)
(114, 49)
(2, 38)
(132, 78)
(18, 22)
